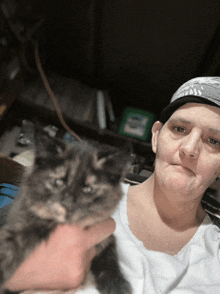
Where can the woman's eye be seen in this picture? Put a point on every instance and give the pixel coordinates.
(214, 142)
(179, 129)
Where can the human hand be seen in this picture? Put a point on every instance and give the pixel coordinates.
(62, 261)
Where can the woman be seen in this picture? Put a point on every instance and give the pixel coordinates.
(166, 241)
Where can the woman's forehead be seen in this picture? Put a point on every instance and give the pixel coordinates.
(193, 112)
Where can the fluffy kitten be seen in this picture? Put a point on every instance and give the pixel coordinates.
(74, 183)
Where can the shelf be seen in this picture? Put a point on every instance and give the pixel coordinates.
(20, 111)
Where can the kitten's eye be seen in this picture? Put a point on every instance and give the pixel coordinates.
(87, 189)
(59, 182)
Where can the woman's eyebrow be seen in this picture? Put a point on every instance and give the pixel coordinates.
(180, 119)
(215, 131)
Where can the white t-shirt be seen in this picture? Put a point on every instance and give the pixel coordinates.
(194, 270)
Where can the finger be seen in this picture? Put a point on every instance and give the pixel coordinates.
(99, 232)
(91, 253)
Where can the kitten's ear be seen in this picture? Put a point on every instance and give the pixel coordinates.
(47, 146)
(114, 159)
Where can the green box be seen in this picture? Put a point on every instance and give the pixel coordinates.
(136, 123)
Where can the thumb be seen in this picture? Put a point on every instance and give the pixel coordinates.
(99, 232)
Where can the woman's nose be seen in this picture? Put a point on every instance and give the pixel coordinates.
(190, 146)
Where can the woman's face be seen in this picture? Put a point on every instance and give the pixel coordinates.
(187, 149)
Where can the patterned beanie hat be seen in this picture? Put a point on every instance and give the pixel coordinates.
(205, 90)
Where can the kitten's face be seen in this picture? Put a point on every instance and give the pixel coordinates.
(75, 182)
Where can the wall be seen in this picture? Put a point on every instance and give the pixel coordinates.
(142, 51)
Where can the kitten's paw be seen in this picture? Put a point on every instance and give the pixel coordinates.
(50, 210)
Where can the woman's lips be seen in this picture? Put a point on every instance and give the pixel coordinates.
(186, 168)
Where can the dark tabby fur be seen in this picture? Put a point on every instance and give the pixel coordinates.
(77, 183)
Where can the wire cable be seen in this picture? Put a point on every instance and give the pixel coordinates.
(50, 92)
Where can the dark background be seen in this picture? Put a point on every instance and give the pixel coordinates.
(142, 51)
(139, 50)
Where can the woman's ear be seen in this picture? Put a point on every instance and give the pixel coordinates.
(155, 134)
